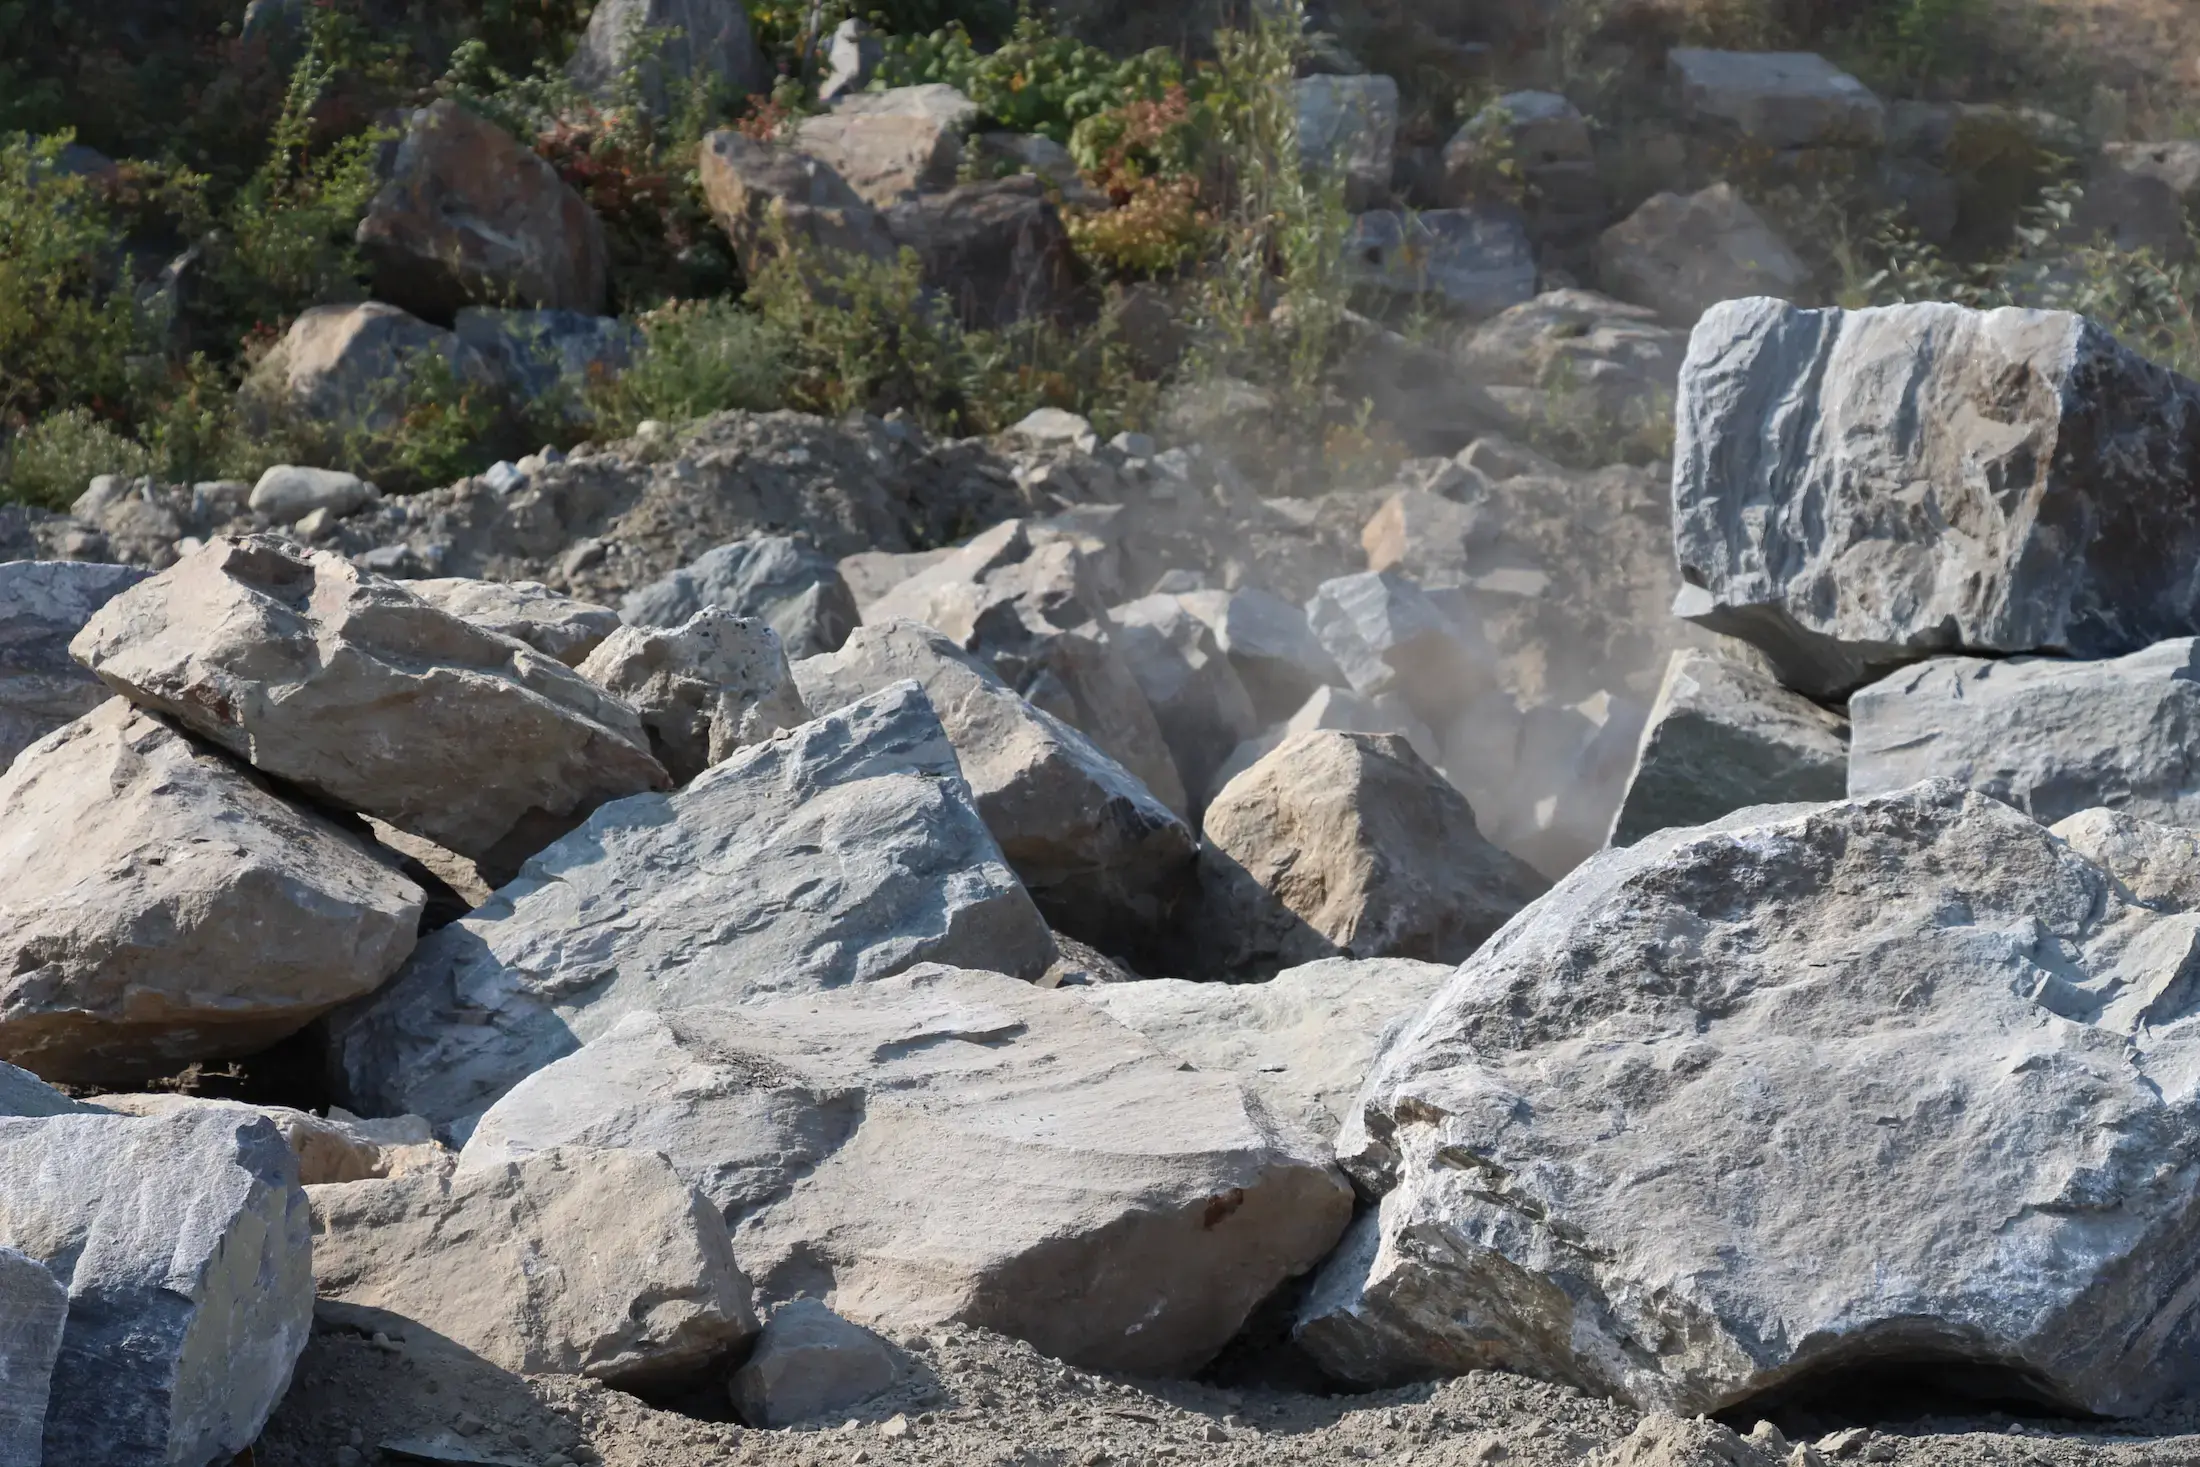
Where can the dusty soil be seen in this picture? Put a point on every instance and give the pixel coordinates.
(973, 1399)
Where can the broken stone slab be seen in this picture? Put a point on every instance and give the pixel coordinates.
(469, 215)
(2159, 865)
(1474, 262)
(43, 603)
(2048, 736)
(780, 579)
(1098, 852)
(894, 144)
(1194, 691)
(1349, 844)
(714, 684)
(1993, 1050)
(33, 1309)
(667, 47)
(1348, 126)
(758, 191)
(186, 1248)
(1681, 255)
(1778, 99)
(336, 680)
(2071, 463)
(159, 906)
(567, 1261)
(1277, 656)
(842, 852)
(1301, 1042)
(1388, 635)
(527, 611)
(857, 1141)
(1724, 736)
(809, 1365)
(1431, 538)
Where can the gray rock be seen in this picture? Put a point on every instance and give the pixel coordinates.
(549, 360)
(1433, 539)
(287, 493)
(892, 145)
(860, 1142)
(756, 190)
(159, 906)
(810, 1364)
(706, 41)
(43, 603)
(1340, 709)
(1348, 843)
(1276, 654)
(996, 251)
(1348, 127)
(1472, 261)
(1099, 854)
(187, 1251)
(1724, 736)
(1387, 635)
(1043, 158)
(1301, 1042)
(335, 681)
(1911, 1102)
(841, 853)
(2175, 163)
(337, 1147)
(2071, 464)
(777, 578)
(1194, 691)
(33, 1308)
(1682, 255)
(1779, 99)
(2158, 865)
(343, 371)
(852, 58)
(1573, 359)
(24, 1094)
(715, 684)
(526, 611)
(565, 1262)
(2047, 736)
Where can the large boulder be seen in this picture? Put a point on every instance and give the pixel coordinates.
(160, 905)
(1387, 635)
(337, 1147)
(1724, 736)
(997, 251)
(715, 684)
(43, 603)
(777, 578)
(860, 1142)
(669, 46)
(1099, 854)
(365, 696)
(1681, 255)
(1900, 1085)
(843, 852)
(1347, 843)
(1277, 656)
(346, 370)
(526, 611)
(546, 363)
(1474, 262)
(2159, 865)
(1573, 360)
(1347, 127)
(2063, 472)
(891, 145)
(1194, 690)
(471, 216)
(761, 193)
(2047, 736)
(811, 1363)
(1334, 708)
(33, 1309)
(1302, 1041)
(1778, 99)
(566, 1262)
(1538, 143)
(186, 1248)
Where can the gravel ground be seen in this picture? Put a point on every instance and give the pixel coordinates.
(973, 1399)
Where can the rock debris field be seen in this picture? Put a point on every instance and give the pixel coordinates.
(678, 958)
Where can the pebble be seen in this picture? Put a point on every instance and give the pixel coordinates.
(895, 1427)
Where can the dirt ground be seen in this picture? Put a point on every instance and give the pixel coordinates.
(973, 1399)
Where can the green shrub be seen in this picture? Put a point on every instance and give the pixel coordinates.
(698, 357)
(1038, 81)
(50, 462)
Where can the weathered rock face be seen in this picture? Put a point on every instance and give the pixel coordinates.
(469, 216)
(2064, 470)
(526, 611)
(33, 1309)
(892, 145)
(159, 905)
(338, 1147)
(1388, 636)
(1475, 262)
(335, 680)
(841, 853)
(43, 603)
(573, 1262)
(344, 369)
(1301, 1042)
(704, 689)
(2047, 736)
(1100, 855)
(756, 189)
(187, 1253)
(2159, 865)
(1722, 737)
(997, 251)
(1913, 1104)
(1778, 99)
(1348, 843)
(810, 1363)
(24, 1094)
(857, 1142)
(548, 360)
(1202, 706)
(1276, 654)
(708, 40)
(1575, 359)
(780, 579)
(1349, 125)
(1682, 255)
(1335, 708)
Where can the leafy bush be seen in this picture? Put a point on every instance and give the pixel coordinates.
(698, 357)
(50, 462)
(1038, 81)
(1141, 154)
